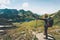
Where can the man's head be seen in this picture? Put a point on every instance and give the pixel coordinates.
(46, 15)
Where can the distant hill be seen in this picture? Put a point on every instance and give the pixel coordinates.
(17, 15)
(8, 13)
(27, 15)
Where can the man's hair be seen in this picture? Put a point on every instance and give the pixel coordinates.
(46, 15)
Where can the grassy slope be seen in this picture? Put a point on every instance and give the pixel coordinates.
(27, 26)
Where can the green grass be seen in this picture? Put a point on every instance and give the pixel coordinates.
(34, 26)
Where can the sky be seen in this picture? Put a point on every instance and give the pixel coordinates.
(36, 6)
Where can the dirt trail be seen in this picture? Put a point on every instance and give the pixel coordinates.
(40, 36)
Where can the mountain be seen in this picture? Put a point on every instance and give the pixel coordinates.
(27, 15)
(8, 13)
(15, 15)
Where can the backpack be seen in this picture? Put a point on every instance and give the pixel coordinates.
(50, 22)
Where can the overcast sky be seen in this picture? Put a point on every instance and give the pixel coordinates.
(36, 6)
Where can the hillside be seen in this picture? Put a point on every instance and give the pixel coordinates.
(56, 18)
(27, 27)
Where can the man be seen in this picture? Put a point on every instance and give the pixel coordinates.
(45, 25)
(46, 19)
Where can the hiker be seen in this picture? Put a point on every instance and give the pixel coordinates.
(48, 23)
(45, 26)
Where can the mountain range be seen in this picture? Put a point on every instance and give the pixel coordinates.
(14, 15)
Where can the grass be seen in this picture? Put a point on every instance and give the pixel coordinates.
(35, 25)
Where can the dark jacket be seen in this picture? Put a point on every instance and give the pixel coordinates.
(45, 20)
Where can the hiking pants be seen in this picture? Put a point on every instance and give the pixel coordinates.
(45, 31)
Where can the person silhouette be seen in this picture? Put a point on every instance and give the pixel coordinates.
(45, 19)
(48, 23)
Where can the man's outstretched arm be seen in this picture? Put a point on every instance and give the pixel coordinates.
(41, 19)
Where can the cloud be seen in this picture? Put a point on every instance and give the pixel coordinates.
(25, 5)
(42, 11)
(4, 3)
